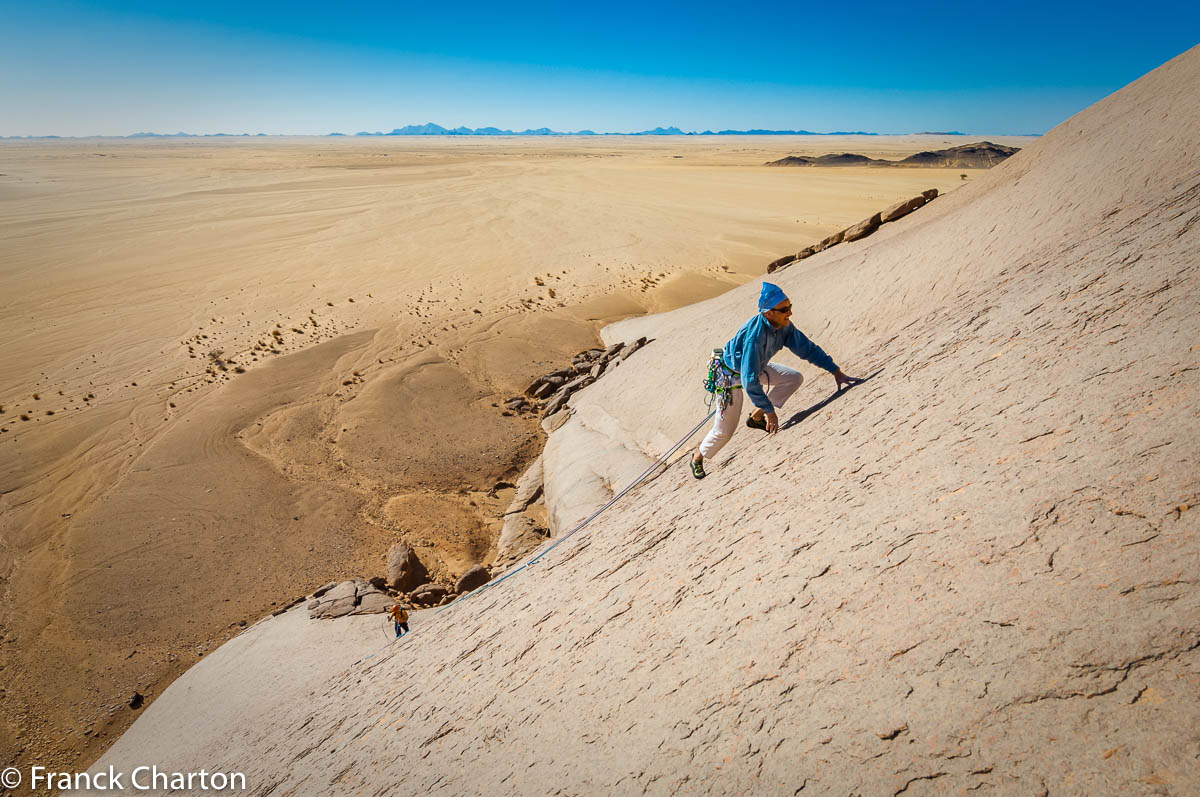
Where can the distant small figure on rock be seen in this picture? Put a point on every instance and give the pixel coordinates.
(399, 616)
(745, 363)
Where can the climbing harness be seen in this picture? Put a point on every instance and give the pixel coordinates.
(719, 383)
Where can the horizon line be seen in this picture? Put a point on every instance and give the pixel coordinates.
(492, 132)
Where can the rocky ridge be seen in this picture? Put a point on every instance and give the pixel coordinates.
(856, 231)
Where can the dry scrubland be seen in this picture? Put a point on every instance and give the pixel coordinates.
(248, 366)
(977, 572)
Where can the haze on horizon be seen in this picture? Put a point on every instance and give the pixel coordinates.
(119, 67)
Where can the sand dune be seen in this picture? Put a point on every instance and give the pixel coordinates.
(257, 364)
(973, 572)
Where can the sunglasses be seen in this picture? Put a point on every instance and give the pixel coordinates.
(787, 308)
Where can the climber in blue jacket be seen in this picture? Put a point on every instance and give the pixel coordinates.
(746, 361)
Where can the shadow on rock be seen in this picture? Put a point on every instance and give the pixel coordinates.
(803, 415)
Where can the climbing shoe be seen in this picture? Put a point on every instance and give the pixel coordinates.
(760, 424)
(698, 468)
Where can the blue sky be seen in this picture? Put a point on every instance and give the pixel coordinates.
(114, 68)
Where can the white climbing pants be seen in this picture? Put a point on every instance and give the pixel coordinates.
(780, 382)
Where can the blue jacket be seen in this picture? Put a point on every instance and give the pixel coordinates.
(756, 343)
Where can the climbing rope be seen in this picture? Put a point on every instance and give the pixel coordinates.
(583, 524)
(719, 384)
(578, 528)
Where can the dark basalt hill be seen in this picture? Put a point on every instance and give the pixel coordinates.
(840, 159)
(981, 155)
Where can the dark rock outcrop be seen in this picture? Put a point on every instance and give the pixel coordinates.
(832, 240)
(982, 155)
(862, 229)
(832, 159)
(783, 261)
(555, 388)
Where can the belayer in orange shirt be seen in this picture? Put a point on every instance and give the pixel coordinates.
(400, 617)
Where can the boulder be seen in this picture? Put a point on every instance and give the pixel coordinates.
(429, 594)
(474, 578)
(862, 229)
(780, 263)
(597, 369)
(930, 195)
(901, 209)
(405, 571)
(807, 251)
(544, 389)
(612, 350)
(535, 385)
(447, 599)
(374, 603)
(514, 402)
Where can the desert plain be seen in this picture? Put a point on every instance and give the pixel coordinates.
(235, 369)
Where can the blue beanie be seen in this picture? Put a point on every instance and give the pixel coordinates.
(771, 295)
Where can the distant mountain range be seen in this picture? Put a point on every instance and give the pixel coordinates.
(431, 129)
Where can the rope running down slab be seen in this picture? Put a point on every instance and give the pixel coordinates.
(578, 528)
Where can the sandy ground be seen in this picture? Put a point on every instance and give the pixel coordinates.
(237, 369)
(974, 573)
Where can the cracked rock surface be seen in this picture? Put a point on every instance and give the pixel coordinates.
(975, 572)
